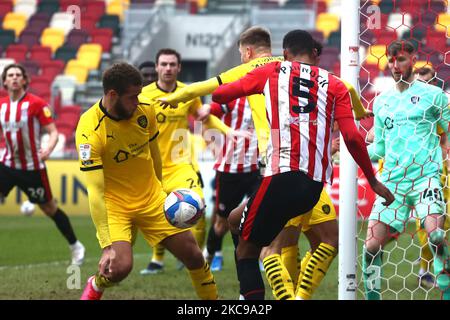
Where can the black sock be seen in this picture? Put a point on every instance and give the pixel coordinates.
(251, 282)
(214, 242)
(64, 226)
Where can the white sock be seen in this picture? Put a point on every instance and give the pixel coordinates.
(75, 245)
(159, 263)
(218, 254)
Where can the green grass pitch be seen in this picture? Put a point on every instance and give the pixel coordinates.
(34, 260)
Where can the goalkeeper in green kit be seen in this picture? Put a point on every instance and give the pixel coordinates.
(406, 120)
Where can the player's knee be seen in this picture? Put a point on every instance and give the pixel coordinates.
(372, 248)
(120, 270)
(195, 260)
(221, 226)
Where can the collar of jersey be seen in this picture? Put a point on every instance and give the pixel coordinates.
(176, 86)
(100, 104)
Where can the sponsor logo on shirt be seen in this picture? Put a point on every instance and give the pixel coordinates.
(85, 152)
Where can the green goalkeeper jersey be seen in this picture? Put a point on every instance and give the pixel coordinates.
(406, 132)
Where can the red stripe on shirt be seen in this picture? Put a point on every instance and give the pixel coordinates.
(294, 126)
(275, 124)
(20, 145)
(312, 143)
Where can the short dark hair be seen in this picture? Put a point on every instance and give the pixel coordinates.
(400, 45)
(255, 36)
(120, 76)
(299, 42)
(22, 69)
(318, 46)
(169, 52)
(146, 64)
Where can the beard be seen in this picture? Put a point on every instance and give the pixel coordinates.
(121, 111)
(405, 76)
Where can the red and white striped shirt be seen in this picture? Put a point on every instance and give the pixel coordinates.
(302, 102)
(241, 155)
(21, 122)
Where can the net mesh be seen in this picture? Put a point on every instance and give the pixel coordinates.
(426, 24)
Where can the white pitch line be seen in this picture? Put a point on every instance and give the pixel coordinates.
(58, 263)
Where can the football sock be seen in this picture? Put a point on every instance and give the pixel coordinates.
(441, 261)
(371, 270)
(250, 280)
(278, 277)
(302, 267)
(426, 255)
(204, 283)
(214, 242)
(289, 257)
(100, 283)
(158, 254)
(199, 232)
(63, 224)
(315, 270)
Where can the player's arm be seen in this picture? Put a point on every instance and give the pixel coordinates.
(153, 143)
(156, 156)
(358, 108)
(95, 185)
(209, 120)
(442, 104)
(377, 149)
(44, 152)
(203, 88)
(355, 142)
(89, 151)
(44, 116)
(250, 84)
(192, 91)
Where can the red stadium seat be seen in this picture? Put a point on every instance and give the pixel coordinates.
(88, 23)
(103, 37)
(95, 8)
(40, 53)
(64, 4)
(17, 52)
(50, 69)
(5, 7)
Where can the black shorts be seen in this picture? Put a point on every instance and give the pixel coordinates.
(33, 182)
(278, 199)
(231, 188)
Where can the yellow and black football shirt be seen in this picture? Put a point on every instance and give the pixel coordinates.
(174, 138)
(121, 148)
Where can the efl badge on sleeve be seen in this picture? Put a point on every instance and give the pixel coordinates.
(47, 112)
(85, 151)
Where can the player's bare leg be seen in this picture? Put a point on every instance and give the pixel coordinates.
(434, 225)
(378, 234)
(63, 224)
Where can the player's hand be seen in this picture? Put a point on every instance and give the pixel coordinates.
(365, 115)
(44, 153)
(203, 112)
(370, 135)
(165, 103)
(335, 145)
(105, 262)
(381, 190)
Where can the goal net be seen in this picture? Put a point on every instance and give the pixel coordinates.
(426, 24)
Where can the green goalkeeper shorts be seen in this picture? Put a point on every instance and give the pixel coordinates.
(424, 195)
